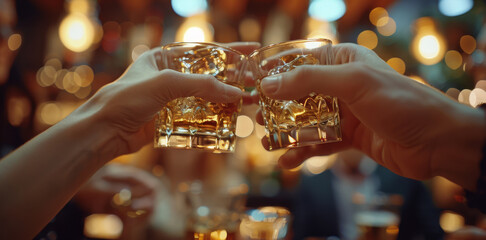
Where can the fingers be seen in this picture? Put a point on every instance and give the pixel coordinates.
(172, 84)
(345, 81)
(294, 157)
(244, 47)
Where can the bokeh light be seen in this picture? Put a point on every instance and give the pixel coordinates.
(428, 49)
(86, 75)
(398, 64)
(103, 226)
(477, 97)
(77, 32)
(386, 26)
(368, 39)
(14, 41)
(18, 109)
(453, 8)
(376, 14)
(139, 50)
(468, 44)
(195, 29)
(316, 165)
(69, 82)
(250, 30)
(453, 59)
(328, 10)
(49, 113)
(450, 221)
(464, 96)
(244, 126)
(80, 6)
(187, 8)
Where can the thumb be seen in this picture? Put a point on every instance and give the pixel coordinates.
(173, 84)
(345, 81)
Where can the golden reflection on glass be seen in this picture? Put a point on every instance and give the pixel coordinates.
(103, 226)
(468, 44)
(453, 59)
(14, 41)
(368, 39)
(398, 64)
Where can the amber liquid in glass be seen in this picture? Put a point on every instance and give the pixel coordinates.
(313, 119)
(192, 122)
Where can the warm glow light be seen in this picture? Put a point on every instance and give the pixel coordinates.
(79, 6)
(328, 10)
(464, 96)
(85, 75)
(77, 32)
(477, 96)
(195, 29)
(316, 28)
(453, 93)
(244, 126)
(18, 109)
(386, 26)
(250, 30)
(187, 8)
(377, 14)
(368, 39)
(453, 8)
(104, 226)
(46, 76)
(453, 59)
(50, 113)
(138, 50)
(397, 64)
(468, 44)
(450, 221)
(316, 165)
(430, 49)
(14, 41)
(69, 82)
(83, 92)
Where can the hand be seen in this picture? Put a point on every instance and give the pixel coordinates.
(128, 106)
(96, 195)
(412, 129)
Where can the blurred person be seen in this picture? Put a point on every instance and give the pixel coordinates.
(118, 119)
(412, 129)
(327, 204)
(99, 195)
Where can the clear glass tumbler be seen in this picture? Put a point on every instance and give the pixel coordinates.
(310, 120)
(192, 122)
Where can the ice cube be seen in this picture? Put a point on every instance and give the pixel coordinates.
(291, 61)
(205, 60)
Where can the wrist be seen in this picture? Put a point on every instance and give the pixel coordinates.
(459, 151)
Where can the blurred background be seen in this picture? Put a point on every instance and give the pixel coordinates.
(54, 54)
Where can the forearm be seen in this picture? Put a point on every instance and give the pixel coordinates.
(40, 177)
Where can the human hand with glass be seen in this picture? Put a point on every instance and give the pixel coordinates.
(118, 119)
(412, 129)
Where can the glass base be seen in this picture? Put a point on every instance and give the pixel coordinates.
(197, 141)
(304, 136)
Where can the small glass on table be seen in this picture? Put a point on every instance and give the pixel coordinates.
(313, 119)
(194, 123)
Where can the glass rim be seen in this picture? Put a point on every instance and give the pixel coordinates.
(229, 49)
(273, 45)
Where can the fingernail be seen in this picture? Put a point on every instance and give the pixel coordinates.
(271, 84)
